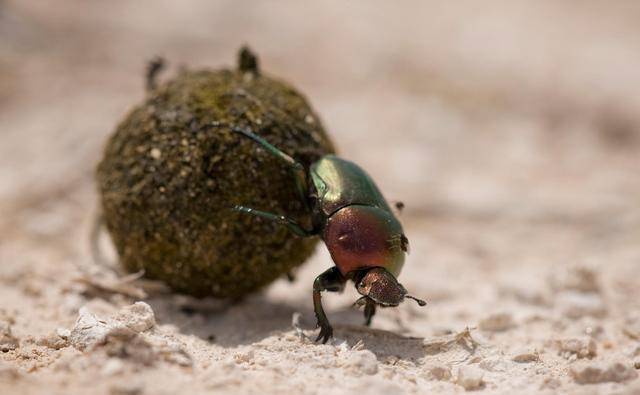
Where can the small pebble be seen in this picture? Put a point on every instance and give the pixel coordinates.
(526, 356)
(438, 372)
(8, 342)
(155, 153)
(53, 341)
(577, 348)
(138, 317)
(470, 378)
(88, 330)
(244, 357)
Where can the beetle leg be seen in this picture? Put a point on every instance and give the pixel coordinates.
(296, 167)
(369, 311)
(333, 281)
(281, 219)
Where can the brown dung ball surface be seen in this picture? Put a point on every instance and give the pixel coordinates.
(173, 170)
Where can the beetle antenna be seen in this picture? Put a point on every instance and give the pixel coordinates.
(419, 301)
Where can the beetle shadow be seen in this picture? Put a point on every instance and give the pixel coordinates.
(386, 345)
(223, 322)
(252, 319)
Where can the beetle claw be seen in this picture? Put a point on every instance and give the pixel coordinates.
(326, 332)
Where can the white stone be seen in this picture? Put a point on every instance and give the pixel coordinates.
(439, 372)
(91, 330)
(138, 317)
(88, 331)
(470, 377)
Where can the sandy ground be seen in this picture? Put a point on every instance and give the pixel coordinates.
(510, 130)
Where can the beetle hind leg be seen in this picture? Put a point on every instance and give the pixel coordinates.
(281, 219)
(295, 166)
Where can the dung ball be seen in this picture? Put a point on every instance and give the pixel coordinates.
(174, 168)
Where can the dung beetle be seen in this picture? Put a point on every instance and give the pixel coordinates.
(363, 236)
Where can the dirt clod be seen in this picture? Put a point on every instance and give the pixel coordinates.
(438, 372)
(526, 356)
(8, 341)
(53, 341)
(594, 374)
(577, 347)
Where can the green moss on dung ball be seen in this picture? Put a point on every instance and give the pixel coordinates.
(173, 170)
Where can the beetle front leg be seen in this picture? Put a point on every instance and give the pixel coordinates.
(369, 311)
(332, 281)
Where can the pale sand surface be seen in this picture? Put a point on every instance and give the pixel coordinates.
(510, 130)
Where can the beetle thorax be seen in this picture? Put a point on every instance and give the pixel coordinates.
(360, 237)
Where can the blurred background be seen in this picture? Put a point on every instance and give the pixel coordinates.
(510, 130)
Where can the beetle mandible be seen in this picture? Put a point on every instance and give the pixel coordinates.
(363, 236)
